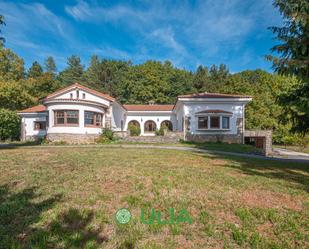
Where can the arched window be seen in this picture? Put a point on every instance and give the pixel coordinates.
(167, 125)
(150, 126)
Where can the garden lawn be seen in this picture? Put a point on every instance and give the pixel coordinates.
(68, 197)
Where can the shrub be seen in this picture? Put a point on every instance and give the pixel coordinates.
(107, 135)
(9, 125)
(160, 132)
(134, 130)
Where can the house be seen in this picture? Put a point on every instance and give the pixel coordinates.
(78, 113)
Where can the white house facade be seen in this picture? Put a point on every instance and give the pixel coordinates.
(78, 113)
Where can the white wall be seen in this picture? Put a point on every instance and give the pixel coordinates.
(118, 115)
(143, 117)
(89, 96)
(29, 119)
(190, 109)
(73, 129)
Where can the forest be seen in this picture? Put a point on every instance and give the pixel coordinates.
(280, 99)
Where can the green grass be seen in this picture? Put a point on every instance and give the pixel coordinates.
(240, 148)
(52, 197)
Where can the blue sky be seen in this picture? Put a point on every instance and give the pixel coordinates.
(188, 33)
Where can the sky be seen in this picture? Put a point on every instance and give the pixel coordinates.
(187, 33)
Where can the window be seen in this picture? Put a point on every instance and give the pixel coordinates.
(214, 122)
(77, 94)
(71, 95)
(84, 95)
(66, 118)
(39, 125)
(225, 122)
(93, 119)
(202, 123)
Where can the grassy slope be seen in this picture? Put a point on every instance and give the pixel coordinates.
(67, 198)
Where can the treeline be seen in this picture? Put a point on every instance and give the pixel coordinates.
(150, 81)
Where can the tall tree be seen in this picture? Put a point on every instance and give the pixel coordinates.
(201, 78)
(50, 65)
(293, 59)
(11, 66)
(73, 73)
(2, 40)
(35, 70)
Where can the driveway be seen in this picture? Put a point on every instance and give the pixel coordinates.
(284, 153)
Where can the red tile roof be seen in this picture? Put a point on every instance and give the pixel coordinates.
(214, 111)
(148, 107)
(213, 95)
(37, 108)
(79, 86)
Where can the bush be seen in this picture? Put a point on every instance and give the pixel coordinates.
(160, 132)
(9, 125)
(106, 136)
(134, 130)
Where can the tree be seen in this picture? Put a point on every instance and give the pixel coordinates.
(9, 125)
(2, 40)
(73, 73)
(40, 86)
(35, 70)
(11, 66)
(50, 65)
(201, 79)
(293, 59)
(14, 96)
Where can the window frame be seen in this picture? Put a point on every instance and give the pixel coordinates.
(228, 123)
(198, 122)
(65, 123)
(211, 122)
(94, 120)
(39, 122)
(208, 128)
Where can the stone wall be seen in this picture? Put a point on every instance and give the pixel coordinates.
(267, 139)
(169, 137)
(72, 138)
(224, 138)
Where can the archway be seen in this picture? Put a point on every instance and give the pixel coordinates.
(134, 128)
(150, 126)
(134, 123)
(167, 124)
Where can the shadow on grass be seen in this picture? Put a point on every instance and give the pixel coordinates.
(20, 211)
(239, 148)
(296, 174)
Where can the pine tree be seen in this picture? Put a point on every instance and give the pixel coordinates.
(2, 40)
(35, 70)
(73, 73)
(293, 59)
(50, 65)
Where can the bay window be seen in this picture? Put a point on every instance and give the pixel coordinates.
(66, 118)
(93, 119)
(203, 122)
(213, 122)
(225, 122)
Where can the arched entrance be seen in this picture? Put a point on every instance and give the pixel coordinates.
(134, 123)
(167, 124)
(134, 128)
(150, 126)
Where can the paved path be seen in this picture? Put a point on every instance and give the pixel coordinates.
(290, 154)
(146, 146)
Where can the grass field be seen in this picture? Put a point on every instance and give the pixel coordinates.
(68, 197)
